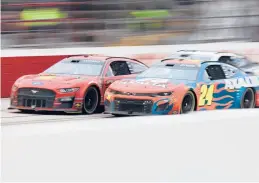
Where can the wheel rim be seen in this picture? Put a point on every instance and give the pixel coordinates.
(187, 104)
(248, 100)
(91, 100)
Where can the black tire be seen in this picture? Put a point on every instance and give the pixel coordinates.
(188, 103)
(91, 101)
(26, 111)
(248, 99)
(118, 115)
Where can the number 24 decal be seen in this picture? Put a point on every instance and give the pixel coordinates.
(206, 95)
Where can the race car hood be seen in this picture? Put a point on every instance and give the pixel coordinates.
(52, 81)
(149, 85)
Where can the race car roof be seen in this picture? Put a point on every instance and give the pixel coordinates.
(101, 58)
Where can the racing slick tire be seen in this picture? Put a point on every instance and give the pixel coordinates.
(188, 103)
(26, 111)
(119, 115)
(91, 101)
(248, 99)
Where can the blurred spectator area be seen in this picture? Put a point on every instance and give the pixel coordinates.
(60, 23)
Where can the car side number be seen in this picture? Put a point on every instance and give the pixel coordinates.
(206, 95)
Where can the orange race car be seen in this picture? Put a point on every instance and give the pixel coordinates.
(74, 84)
(176, 86)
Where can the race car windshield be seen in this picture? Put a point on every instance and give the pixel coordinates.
(171, 72)
(77, 67)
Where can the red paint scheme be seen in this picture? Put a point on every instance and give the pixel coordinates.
(14, 67)
(56, 82)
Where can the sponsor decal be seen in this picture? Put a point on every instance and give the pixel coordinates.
(92, 61)
(108, 97)
(37, 83)
(34, 91)
(47, 77)
(188, 65)
(237, 83)
(153, 82)
(78, 105)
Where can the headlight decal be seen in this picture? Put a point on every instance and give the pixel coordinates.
(68, 90)
(160, 94)
(163, 94)
(14, 88)
(162, 106)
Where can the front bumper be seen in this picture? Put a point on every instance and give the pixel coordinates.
(46, 109)
(125, 113)
(73, 106)
(139, 106)
(43, 99)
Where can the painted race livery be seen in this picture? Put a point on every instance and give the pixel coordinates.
(74, 84)
(175, 86)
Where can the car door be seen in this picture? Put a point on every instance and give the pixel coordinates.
(212, 93)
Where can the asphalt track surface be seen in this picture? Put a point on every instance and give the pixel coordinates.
(205, 146)
(15, 117)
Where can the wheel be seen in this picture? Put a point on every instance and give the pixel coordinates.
(91, 101)
(248, 99)
(188, 103)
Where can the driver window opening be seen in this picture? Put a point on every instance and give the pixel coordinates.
(120, 68)
(215, 72)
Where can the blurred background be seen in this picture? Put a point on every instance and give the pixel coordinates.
(71, 23)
